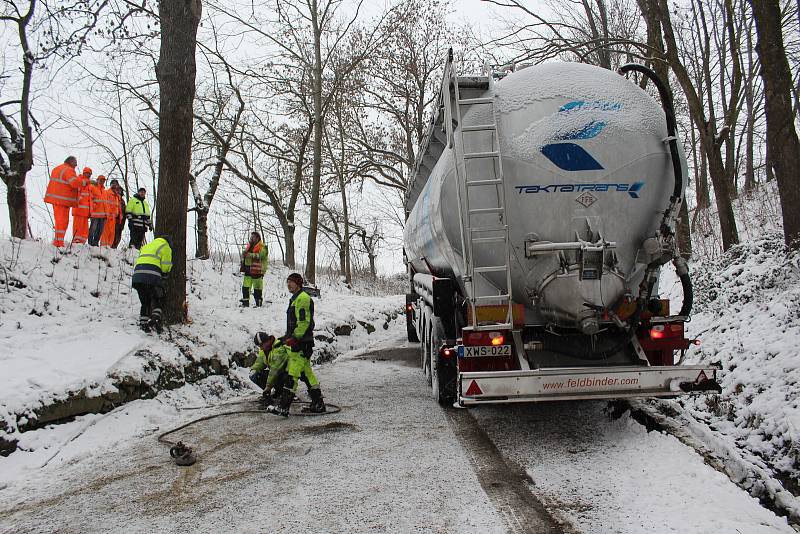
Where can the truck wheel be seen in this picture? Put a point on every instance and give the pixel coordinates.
(443, 372)
(443, 379)
(426, 362)
(411, 328)
(424, 351)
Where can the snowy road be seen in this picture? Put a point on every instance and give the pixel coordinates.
(393, 461)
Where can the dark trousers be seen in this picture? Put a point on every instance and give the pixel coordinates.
(117, 234)
(137, 235)
(150, 297)
(260, 378)
(96, 230)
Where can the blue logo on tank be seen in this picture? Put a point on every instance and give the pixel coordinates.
(570, 156)
(632, 189)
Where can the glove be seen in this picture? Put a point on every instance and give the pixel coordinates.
(291, 342)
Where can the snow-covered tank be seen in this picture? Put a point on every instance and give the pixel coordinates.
(542, 207)
(587, 175)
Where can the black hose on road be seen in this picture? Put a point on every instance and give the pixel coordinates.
(184, 455)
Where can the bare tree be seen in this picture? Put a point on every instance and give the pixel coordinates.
(221, 114)
(781, 134)
(712, 136)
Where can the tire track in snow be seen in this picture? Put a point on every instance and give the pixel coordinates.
(505, 483)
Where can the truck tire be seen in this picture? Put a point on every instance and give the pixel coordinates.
(424, 349)
(426, 354)
(443, 372)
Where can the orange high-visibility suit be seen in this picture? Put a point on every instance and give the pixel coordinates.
(98, 210)
(80, 213)
(112, 214)
(62, 194)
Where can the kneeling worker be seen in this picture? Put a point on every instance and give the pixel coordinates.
(269, 369)
(149, 277)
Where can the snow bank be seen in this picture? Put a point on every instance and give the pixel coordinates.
(68, 329)
(747, 316)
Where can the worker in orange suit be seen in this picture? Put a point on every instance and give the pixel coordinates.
(98, 210)
(119, 220)
(62, 194)
(80, 213)
(119, 224)
(112, 214)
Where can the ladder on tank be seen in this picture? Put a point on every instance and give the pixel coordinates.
(471, 187)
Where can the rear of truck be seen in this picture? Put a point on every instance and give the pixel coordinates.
(541, 212)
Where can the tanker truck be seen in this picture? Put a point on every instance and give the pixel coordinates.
(541, 210)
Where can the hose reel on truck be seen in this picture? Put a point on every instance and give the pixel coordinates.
(582, 193)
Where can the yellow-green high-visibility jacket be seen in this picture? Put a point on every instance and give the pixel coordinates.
(277, 361)
(154, 261)
(300, 317)
(137, 211)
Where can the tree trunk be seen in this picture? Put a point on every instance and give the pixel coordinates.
(749, 166)
(202, 251)
(781, 134)
(372, 270)
(176, 72)
(288, 240)
(684, 234)
(722, 194)
(313, 223)
(17, 199)
(703, 192)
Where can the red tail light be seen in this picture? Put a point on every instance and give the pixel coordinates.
(409, 307)
(666, 331)
(484, 338)
(448, 352)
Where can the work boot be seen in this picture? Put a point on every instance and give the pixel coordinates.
(317, 403)
(284, 403)
(155, 320)
(267, 399)
(257, 296)
(245, 297)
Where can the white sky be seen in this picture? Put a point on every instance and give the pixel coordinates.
(64, 136)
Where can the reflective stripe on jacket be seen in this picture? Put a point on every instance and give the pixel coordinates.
(62, 189)
(138, 211)
(112, 204)
(255, 257)
(100, 205)
(155, 260)
(84, 202)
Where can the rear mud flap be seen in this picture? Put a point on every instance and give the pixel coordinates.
(576, 383)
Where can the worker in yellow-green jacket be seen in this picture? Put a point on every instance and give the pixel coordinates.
(299, 339)
(149, 278)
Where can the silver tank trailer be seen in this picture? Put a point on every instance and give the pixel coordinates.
(588, 177)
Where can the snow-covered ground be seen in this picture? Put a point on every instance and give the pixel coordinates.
(68, 325)
(747, 317)
(391, 461)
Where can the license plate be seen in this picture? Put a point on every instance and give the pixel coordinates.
(483, 351)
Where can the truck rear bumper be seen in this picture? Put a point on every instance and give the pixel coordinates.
(576, 383)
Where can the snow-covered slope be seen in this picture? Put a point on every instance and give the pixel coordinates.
(68, 329)
(747, 316)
